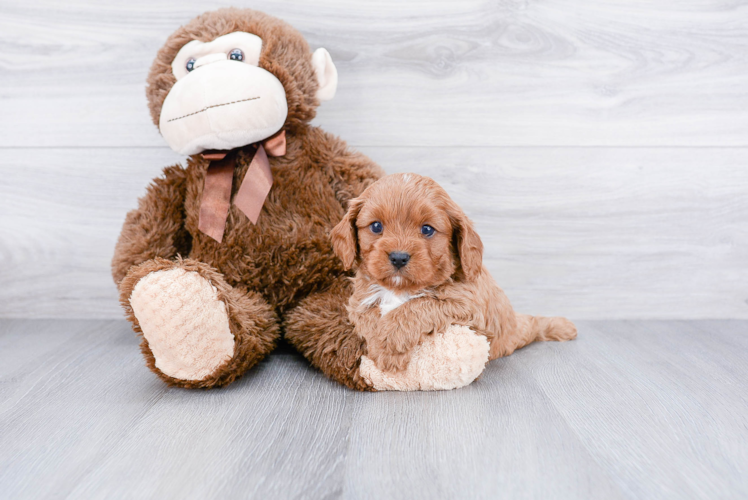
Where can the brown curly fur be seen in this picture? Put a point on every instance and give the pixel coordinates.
(252, 321)
(445, 272)
(263, 271)
(333, 346)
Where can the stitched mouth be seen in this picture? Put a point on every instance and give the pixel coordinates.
(206, 108)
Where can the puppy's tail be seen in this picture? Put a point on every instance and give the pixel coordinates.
(539, 328)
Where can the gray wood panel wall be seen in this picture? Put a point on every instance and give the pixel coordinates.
(601, 147)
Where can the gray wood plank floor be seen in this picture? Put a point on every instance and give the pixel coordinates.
(633, 409)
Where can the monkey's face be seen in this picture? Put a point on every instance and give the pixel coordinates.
(222, 98)
(228, 90)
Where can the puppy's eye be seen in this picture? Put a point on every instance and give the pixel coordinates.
(236, 55)
(427, 230)
(190, 64)
(376, 227)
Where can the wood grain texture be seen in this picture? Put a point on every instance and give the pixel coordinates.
(587, 232)
(423, 73)
(632, 409)
(600, 148)
(641, 378)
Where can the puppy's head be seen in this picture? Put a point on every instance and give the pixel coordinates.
(406, 234)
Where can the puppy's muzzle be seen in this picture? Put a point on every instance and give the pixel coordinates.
(399, 259)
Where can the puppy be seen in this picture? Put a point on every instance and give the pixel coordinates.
(419, 270)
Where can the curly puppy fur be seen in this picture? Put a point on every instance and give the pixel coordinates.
(443, 283)
(262, 271)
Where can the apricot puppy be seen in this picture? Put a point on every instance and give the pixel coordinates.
(419, 270)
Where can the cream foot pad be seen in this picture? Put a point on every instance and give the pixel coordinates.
(444, 361)
(184, 322)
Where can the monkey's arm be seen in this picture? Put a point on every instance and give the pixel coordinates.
(351, 171)
(320, 329)
(156, 227)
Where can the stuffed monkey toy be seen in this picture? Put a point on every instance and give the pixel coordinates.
(225, 255)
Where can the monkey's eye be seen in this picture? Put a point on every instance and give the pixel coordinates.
(376, 227)
(190, 64)
(236, 55)
(427, 230)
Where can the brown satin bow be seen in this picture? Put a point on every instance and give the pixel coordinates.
(214, 207)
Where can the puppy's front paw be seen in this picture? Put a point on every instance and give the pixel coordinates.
(443, 361)
(394, 351)
(394, 361)
(184, 322)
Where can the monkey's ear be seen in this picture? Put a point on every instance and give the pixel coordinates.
(327, 75)
(345, 235)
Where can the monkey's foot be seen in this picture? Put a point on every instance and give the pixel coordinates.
(184, 322)
(443, 361)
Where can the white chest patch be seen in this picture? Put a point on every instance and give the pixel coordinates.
(386, 299)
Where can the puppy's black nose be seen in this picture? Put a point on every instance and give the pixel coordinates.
(399, 259)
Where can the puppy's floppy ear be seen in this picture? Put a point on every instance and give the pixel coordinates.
(467, 243)
(345, 235)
